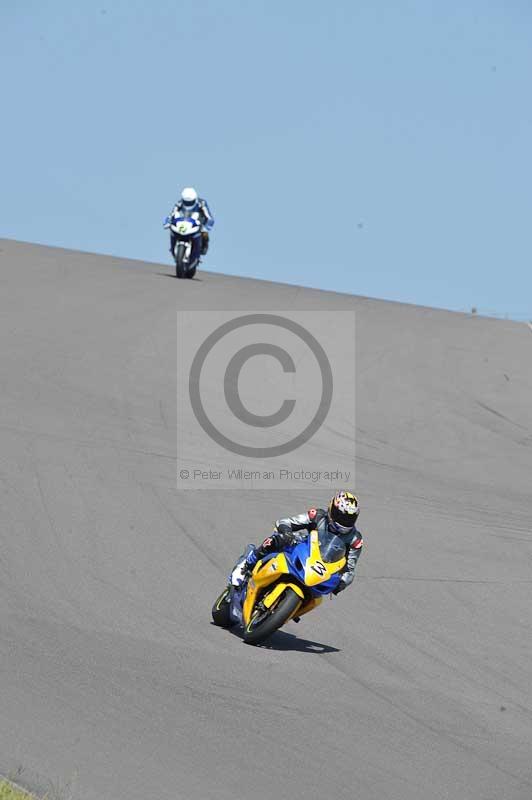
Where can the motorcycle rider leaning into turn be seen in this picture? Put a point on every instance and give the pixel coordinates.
(339, 518)
(190, 204)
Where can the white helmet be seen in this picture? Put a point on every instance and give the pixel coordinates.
(189, 198)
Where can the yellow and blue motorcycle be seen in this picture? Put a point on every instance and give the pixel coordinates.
(282, 586)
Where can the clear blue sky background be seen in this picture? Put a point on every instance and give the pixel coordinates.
(381, 148)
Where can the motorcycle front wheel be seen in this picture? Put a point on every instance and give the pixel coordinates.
(263, 624)
(180, 267)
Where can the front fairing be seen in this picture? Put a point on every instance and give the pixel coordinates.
(313, 567)
(185, 228)
(297, 558)
(316, 562)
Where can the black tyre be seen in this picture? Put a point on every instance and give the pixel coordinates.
(263, 624)
(180, 269)
(220, 611)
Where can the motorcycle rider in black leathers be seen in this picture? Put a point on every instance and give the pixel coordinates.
(340, 518)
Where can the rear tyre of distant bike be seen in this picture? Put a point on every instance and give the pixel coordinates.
(264, 623)
(180, 267)
(220, 611)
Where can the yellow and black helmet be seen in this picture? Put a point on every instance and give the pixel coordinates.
(343, 511)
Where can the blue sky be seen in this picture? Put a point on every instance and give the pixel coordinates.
(379, 148)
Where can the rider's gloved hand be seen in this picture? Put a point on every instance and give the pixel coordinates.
(166, 223)
(251, 560)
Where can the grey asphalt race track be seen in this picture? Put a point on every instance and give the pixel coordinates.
(414, 684)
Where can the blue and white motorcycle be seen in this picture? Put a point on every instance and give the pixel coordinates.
(185, 242)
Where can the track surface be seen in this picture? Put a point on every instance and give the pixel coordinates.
(112, 680)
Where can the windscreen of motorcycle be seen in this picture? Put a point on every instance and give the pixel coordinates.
(332, 548)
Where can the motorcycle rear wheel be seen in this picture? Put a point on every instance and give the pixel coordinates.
(220, 611)
(256, 632)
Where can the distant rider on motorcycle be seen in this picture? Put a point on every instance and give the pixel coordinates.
(188, 205)
(340, 519)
